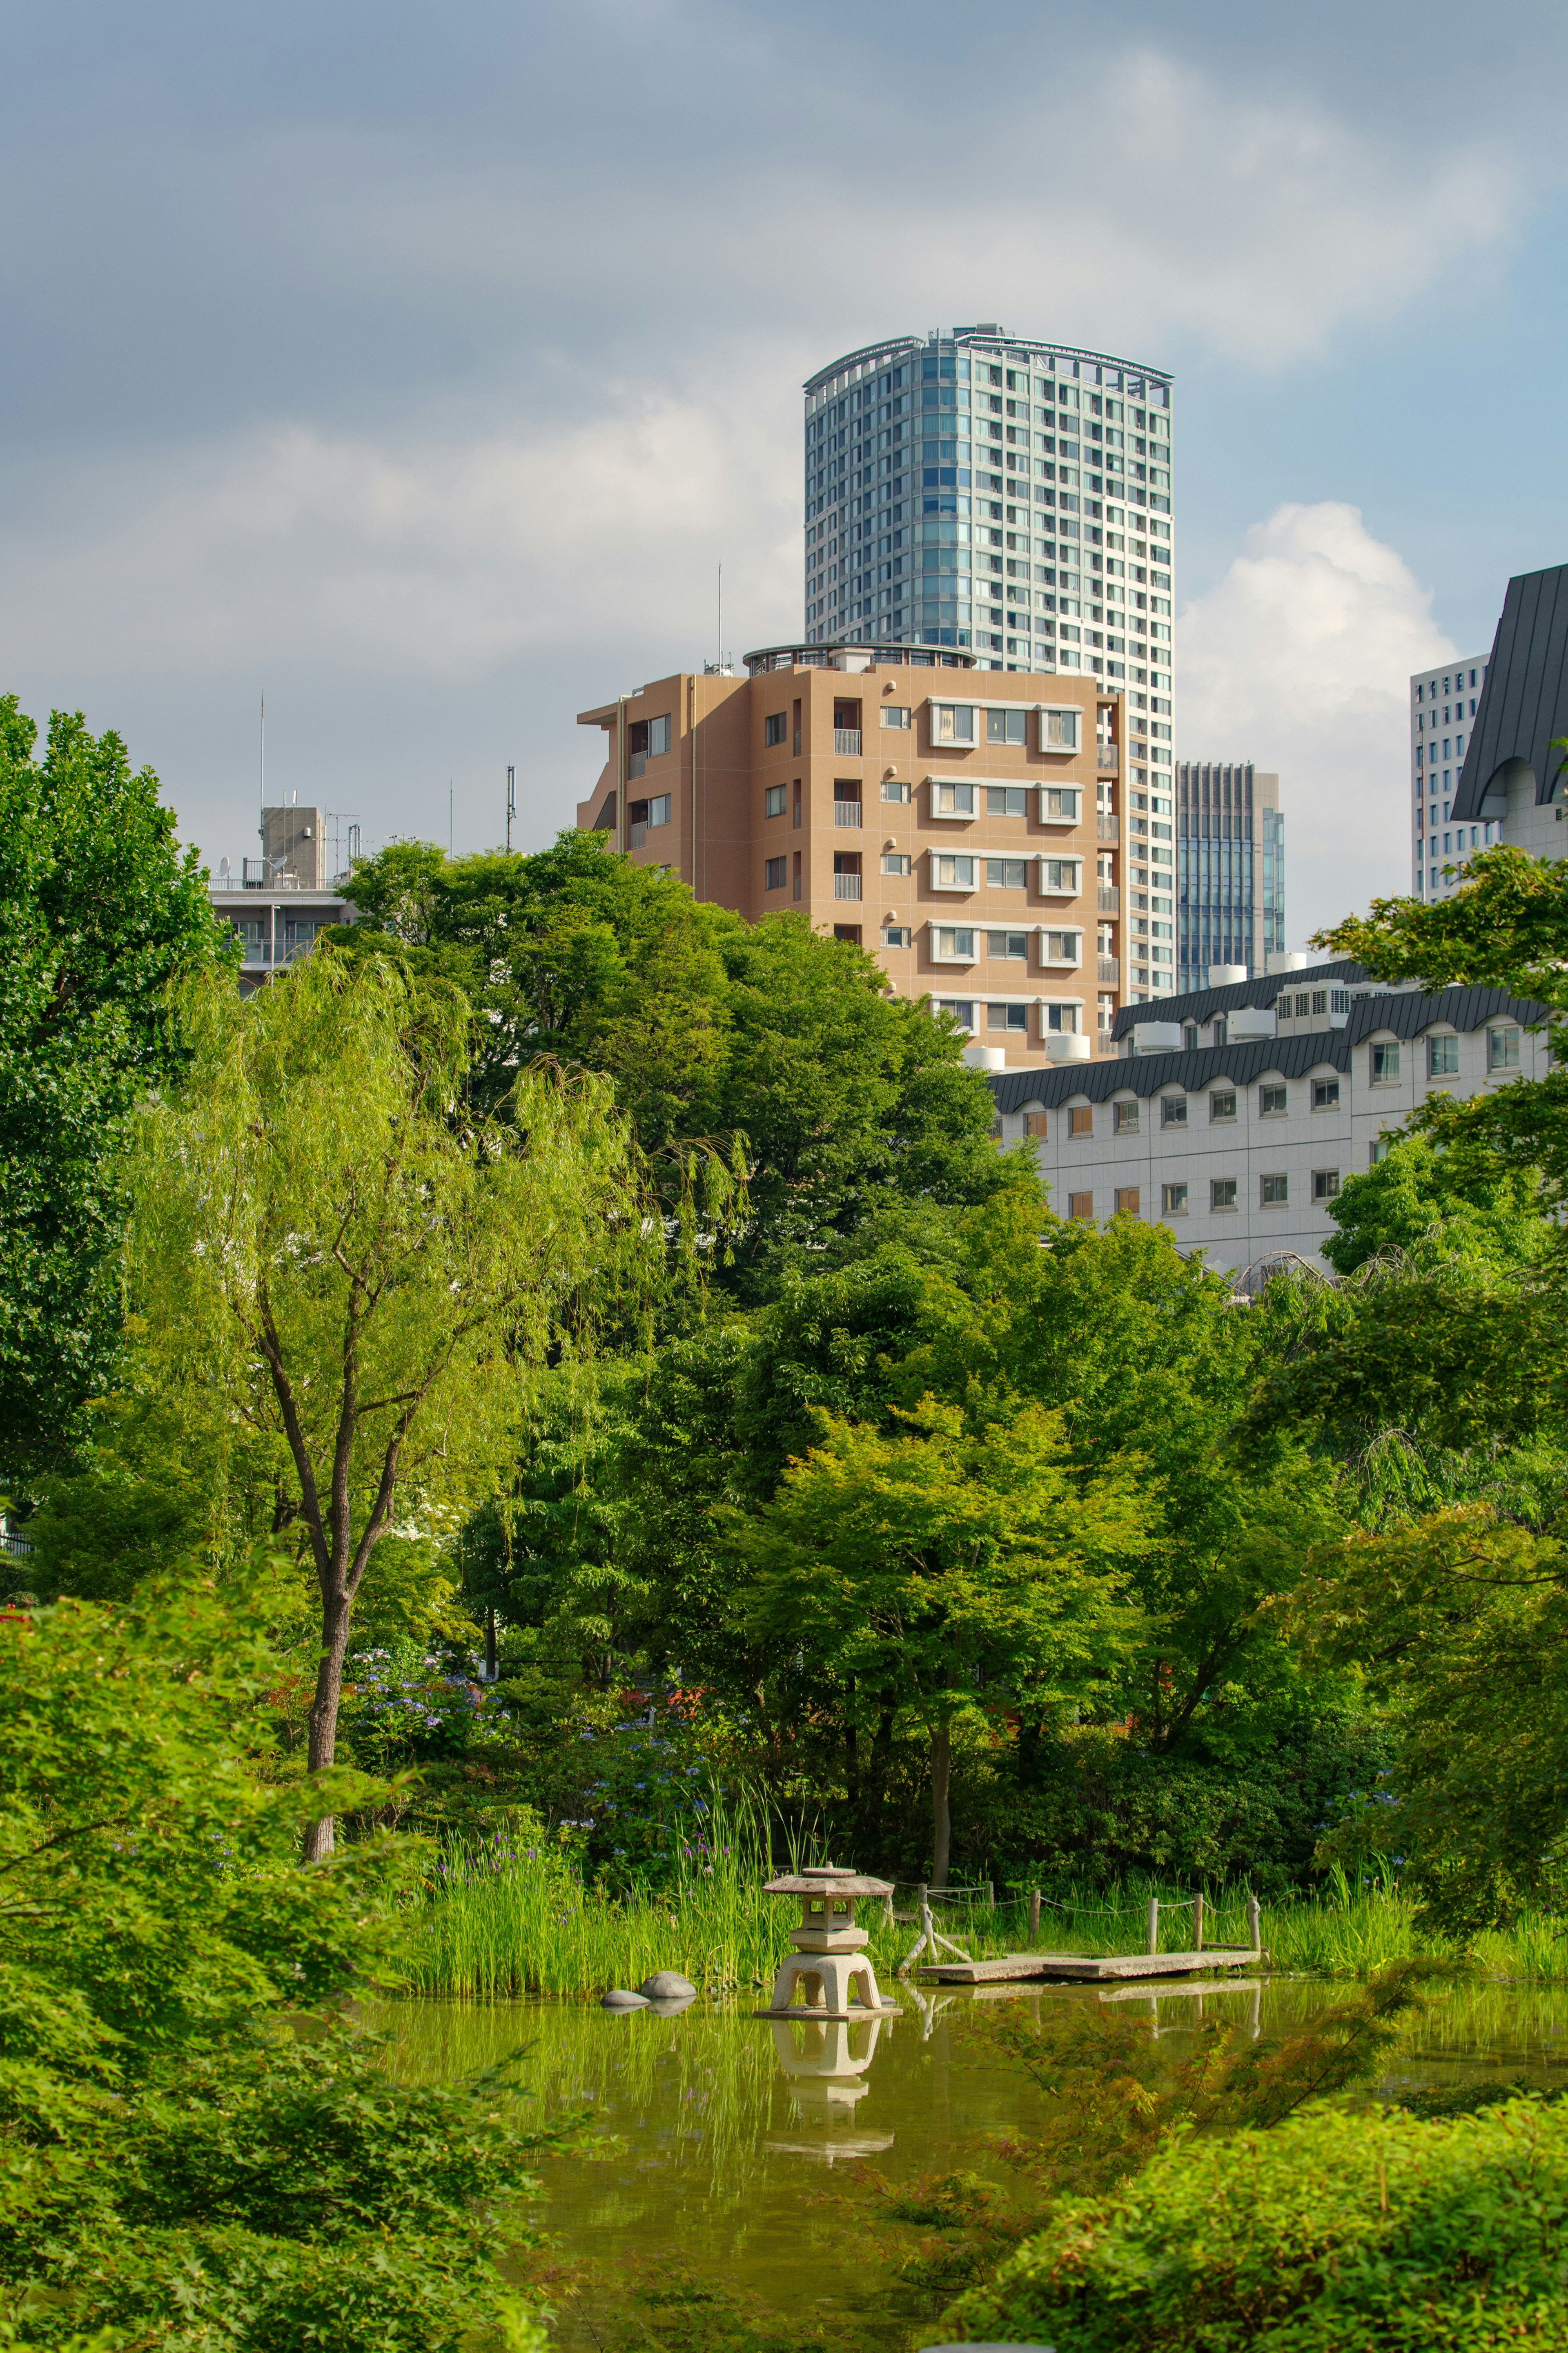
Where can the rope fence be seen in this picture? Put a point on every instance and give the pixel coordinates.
(1148, 1910)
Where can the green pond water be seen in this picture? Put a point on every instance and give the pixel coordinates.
(725, 2130)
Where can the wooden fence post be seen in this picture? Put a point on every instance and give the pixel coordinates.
(1153, 1923)
(1197, 1923)
(991, 1895)
(1254, 1924)
(1035, 1916)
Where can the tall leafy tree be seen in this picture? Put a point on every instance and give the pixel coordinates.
(99, 911)
(944, 1573)
(354, 1278)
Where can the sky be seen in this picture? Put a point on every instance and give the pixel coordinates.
(419, 368)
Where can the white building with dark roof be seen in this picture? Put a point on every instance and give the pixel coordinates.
(1234, 1114)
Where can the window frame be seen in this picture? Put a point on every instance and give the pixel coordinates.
(1174, 1198)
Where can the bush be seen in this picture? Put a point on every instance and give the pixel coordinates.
(1335, 2231)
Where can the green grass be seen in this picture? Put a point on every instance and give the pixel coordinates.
(508, 1923)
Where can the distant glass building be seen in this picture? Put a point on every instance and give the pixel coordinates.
(1230, 869)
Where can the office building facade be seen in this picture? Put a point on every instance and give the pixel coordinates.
(279, 904)
(1511, 787)
(1443, 707)
(974, 830)
(1230, 869)
(1234, 1114)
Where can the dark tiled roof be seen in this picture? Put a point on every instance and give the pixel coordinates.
(1524, 703)
(1203, 1004)
(1405, 1014)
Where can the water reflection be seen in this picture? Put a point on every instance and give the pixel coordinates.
(825, 2063)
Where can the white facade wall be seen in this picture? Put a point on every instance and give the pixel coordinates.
(1333, 1140)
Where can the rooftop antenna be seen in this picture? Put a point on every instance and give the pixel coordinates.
(261, 763)
(510, 802)
(721, 616)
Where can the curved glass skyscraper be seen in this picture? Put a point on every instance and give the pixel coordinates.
(982, 491)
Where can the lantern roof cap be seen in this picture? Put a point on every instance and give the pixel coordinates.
(827, 1879)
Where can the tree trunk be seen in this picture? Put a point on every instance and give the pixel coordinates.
(872, 1786)
(491, 1644)
(942, 1822)
(336, 1613)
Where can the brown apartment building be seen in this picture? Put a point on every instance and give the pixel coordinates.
(972, 827)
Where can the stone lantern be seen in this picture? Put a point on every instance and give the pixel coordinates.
(828, 1962)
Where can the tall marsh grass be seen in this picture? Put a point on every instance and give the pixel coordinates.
(511, 1921)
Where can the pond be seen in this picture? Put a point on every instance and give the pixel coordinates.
(728, 2128)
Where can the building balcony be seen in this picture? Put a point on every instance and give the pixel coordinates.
(1108, 970)
(637, 765)
(847, 739)
(636, 836)
(1107, 828)
(846, 886)
(1106, 755)
(847, 813)
(1109, 900)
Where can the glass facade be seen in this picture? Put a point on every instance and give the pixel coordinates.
(1230, 869)
(1008, 497)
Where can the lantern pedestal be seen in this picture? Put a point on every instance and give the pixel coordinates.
(828, 1965)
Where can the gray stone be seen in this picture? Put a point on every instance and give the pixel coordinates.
(666, 1985)
(619, 1999)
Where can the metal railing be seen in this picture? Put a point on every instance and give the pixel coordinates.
(1108, 970)
(1107, 828)
(847, 739)
(846, 812)
(1109, 900)
(846, 886)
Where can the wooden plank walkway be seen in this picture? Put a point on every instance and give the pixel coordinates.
(1023, 1968)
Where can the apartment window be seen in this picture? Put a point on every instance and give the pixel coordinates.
(1222, 1192)
(895, 714)
(960, 1008)
(1007, 873)
(895, 935)
(1502, 1049)
(1080, 1205)
(893, 790)
(1173, 1201)
(1060, 874)
(796, 891)
(1061, 948)
(951, 944)
(1272, 1103)
(658, 810)
(1006, 800)
(850, 932)
(1173, 1110)
(1006, 727)
(1080, 1120)
(774, 800)
(1273, 1192)
(773, 874)
(847, 801)
(1384, 1065)
(1380, 1148)
(1325, 1094)
(896, 862)
(1325, 1184)
(1060, 1021)
(1035, 1126)
(1062, 801)
(1222, 1102)
(1442, 1058)
(952, 800)
(1007, 1016)
(952, 722)
(1060, 729)
(951, 873)
(796, 825)
(1221, 1030)
(1189, 1034)
(1124, 1118)
(774, 728)
(1008, 943)
(1127, 1200)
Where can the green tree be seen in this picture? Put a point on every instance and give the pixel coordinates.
(348, 1281)
(943, 1574)
(200, 2146)
(99, 911)
(1470, 1205)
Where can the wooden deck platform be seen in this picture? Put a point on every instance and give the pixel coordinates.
(1025, 1967)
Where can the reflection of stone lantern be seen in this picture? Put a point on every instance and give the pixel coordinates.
(828, 1962)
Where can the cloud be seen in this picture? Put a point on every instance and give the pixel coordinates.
(1299, 658)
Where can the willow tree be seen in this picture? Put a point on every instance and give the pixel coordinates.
(354, 1279)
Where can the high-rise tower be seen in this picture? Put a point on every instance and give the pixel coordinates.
(982, 491)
